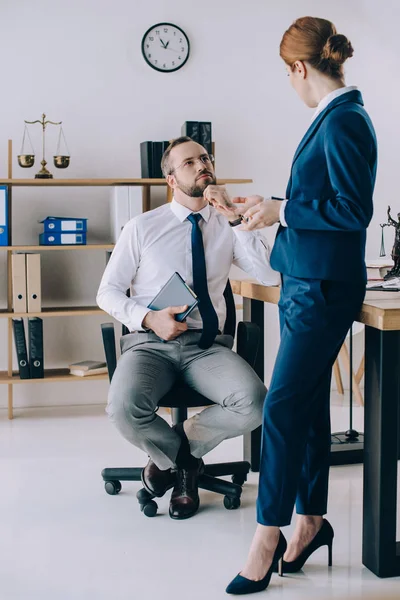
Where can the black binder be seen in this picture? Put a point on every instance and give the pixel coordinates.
(146, 159)
(20, 347)
(35, 330)
(158, 150)
(192, 129)
(206, 136)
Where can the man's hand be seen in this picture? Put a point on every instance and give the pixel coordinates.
(261, 215)
(163, 323)
(219, 198)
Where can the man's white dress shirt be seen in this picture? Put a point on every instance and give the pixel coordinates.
(321, 106)
(154, 245)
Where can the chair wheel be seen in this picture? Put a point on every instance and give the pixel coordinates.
(149, 509)
(231, 502)
(113, 487)
(239, 479)
(144, 496)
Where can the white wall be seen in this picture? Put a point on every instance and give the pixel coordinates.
(81, 62)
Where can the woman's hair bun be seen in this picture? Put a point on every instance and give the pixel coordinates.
(337, 49)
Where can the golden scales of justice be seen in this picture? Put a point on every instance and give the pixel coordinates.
(61, 161)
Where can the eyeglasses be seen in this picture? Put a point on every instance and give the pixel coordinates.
(206, 160)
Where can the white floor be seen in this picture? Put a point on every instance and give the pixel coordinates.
(63, 538)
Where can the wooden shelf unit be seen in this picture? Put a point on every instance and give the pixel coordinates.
(11, 377)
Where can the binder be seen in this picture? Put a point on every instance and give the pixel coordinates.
(33, 283)
(20, 348)
(158, 150)
(192, 129)
(35, 331)
(18, 270)
(146, 159)
(205, 137)
(58, 238)
(51, 224)
(126, 203)
(3, 216)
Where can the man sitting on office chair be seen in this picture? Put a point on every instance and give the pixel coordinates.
(190, 237)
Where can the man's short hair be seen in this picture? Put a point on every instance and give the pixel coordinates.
(165, 165)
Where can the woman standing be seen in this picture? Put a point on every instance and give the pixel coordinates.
(319, 251)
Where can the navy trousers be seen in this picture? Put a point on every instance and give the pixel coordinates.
(315, 317)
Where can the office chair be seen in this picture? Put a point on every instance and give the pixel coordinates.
(179, 399)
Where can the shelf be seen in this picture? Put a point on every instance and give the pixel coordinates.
(100, 182)
(73, 247)
(50, 376)
(61, 311)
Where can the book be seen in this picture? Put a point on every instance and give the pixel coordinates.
(21, 350)
(88, 373)
(87, 365)
(175, 293)
(35, 333)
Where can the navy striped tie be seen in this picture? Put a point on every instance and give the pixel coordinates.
(207, 311)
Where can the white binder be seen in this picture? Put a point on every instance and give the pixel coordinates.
(126, 203)
(34, 283)
(18, 283)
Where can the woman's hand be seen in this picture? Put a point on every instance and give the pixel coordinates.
(262, 214)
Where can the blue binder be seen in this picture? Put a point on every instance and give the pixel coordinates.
(52, 224)
(3, 215)
(61, 238)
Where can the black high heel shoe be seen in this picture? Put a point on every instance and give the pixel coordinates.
(242, 585)
(324, 537)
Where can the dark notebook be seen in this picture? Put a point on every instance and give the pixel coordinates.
(206, 135)
(146, 159)
(192, 129)
(175, 293)
(20, 347)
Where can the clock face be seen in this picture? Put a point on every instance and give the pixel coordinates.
(165, 47)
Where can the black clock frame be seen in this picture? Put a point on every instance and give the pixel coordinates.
(144, 54)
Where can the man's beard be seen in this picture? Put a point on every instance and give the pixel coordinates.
(196, 190)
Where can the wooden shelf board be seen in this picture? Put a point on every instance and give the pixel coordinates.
(99, 182)
(60, 311)
(73, 247)
(50, 376)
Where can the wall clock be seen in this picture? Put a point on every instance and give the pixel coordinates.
(165, 47)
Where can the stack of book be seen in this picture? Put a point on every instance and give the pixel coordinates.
(376, 270)
(59, 231)
(85, 368)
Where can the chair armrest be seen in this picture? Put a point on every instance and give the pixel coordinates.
(248, 341)
(107, 332)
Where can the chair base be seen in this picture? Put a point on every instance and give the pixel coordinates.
(209, 480)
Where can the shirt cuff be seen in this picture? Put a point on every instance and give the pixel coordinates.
(136, 318)
(282, 213)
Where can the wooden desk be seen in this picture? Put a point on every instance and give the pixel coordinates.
(380, 314)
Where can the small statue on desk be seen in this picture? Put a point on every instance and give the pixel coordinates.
(395, 270)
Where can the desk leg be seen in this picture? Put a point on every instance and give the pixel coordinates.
(381, 553)
(253, 310)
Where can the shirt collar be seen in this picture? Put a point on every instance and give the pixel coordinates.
(182, 212)
(332, 96)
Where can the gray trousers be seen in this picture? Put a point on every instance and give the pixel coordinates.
(146, 371)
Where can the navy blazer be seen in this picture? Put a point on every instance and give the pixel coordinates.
(330, 196)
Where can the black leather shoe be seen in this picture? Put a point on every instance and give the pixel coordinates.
(185, 500)
(241, 585)
(324, 537)
(157, 482)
